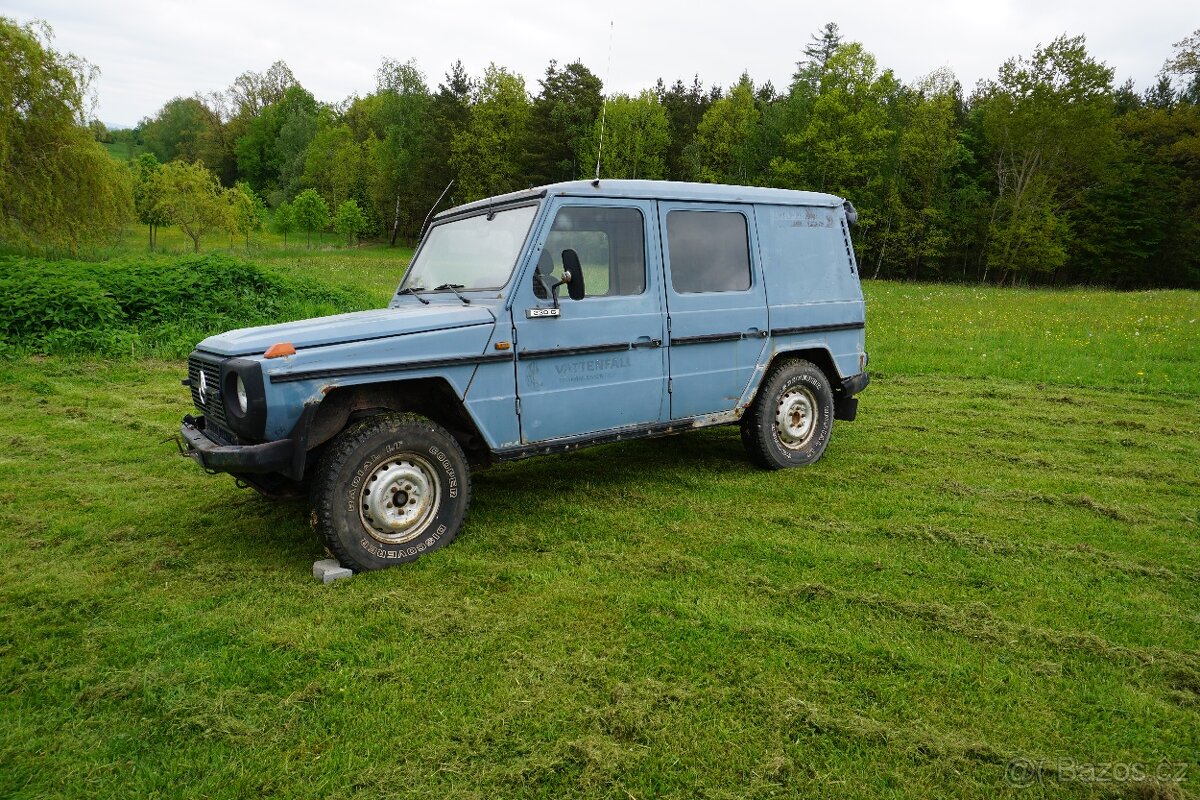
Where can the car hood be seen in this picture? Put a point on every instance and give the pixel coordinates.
(343, 328)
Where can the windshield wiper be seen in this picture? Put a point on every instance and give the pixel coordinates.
(454, 287)
(413, 291)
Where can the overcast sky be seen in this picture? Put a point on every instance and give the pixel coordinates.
(151, 51)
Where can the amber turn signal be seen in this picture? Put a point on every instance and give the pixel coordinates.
(503, 345)
(280, 349)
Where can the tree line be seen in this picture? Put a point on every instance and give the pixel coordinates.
(1047, 173)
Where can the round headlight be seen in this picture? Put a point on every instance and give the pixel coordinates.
(242, 398)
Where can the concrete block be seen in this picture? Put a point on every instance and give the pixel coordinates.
(329, 570)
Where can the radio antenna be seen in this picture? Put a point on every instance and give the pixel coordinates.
(604, 107)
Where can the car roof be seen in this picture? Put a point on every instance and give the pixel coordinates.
(656, 190)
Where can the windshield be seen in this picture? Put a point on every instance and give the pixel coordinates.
(473, 253)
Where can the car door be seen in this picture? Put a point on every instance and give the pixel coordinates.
(716, 305)
(594, 364)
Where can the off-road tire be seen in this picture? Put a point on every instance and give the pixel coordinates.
(791, 420)
(390, 489)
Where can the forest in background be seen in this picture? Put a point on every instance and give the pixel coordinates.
(1048, 173)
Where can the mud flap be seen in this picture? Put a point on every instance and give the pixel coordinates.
(845, 408)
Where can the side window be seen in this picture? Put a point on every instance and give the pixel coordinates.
(610, 244)
(709, 251)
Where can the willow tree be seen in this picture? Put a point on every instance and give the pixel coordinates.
(61, 189)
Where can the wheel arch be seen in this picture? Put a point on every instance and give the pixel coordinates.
(819, 356)
(431, 397)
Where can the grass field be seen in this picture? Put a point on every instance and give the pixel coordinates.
(997, 564)
(123, 151)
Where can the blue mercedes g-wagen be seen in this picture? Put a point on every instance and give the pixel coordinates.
(685, 305)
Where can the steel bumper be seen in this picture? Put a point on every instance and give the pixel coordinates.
(250, 459)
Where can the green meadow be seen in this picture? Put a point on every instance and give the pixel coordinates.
(988, 587)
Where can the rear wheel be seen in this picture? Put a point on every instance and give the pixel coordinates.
(390, 489)
(791, 420)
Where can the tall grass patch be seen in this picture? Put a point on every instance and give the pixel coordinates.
(149, 306)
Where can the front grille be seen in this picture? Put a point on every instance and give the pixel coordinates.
(213, 406)
(218, 434)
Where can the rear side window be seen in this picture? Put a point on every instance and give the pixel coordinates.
(709, 251)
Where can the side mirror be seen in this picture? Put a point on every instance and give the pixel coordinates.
(851, 212)
(572, 274)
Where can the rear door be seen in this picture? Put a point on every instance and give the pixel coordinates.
(599, 364)
(716, 305)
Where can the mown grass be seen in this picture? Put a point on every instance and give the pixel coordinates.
(992, 563)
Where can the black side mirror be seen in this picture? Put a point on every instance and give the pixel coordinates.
(572, 274)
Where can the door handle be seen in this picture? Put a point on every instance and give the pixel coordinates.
(646, 341)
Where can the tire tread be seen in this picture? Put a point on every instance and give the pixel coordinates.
(757, 424)
(343, 447)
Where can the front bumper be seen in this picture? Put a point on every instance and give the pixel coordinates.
(250, 459)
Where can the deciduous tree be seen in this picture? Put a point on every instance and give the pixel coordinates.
(247, 210)
(636, 135)
(312, 213)
(60, 189)
(723, 150)
(349, 221)
(148, 189)
(401, 116)
(175, 132)
(192, 198)
(283, 220)
(918, 207)
(1048, 123)
(845, 142)
(488, 154)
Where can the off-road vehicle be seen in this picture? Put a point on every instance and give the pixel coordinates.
(685, 306)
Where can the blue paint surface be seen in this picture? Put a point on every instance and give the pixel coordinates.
(641, 347)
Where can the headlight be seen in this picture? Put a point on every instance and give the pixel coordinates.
(242, 396)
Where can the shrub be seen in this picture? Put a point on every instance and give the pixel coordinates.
(147, 306)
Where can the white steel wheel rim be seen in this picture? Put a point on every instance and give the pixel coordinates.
(796, 417)
(399, 499)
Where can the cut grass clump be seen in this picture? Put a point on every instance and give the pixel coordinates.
(148, 306)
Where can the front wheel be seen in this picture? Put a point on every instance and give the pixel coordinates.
(390, 489)
(790, 421)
